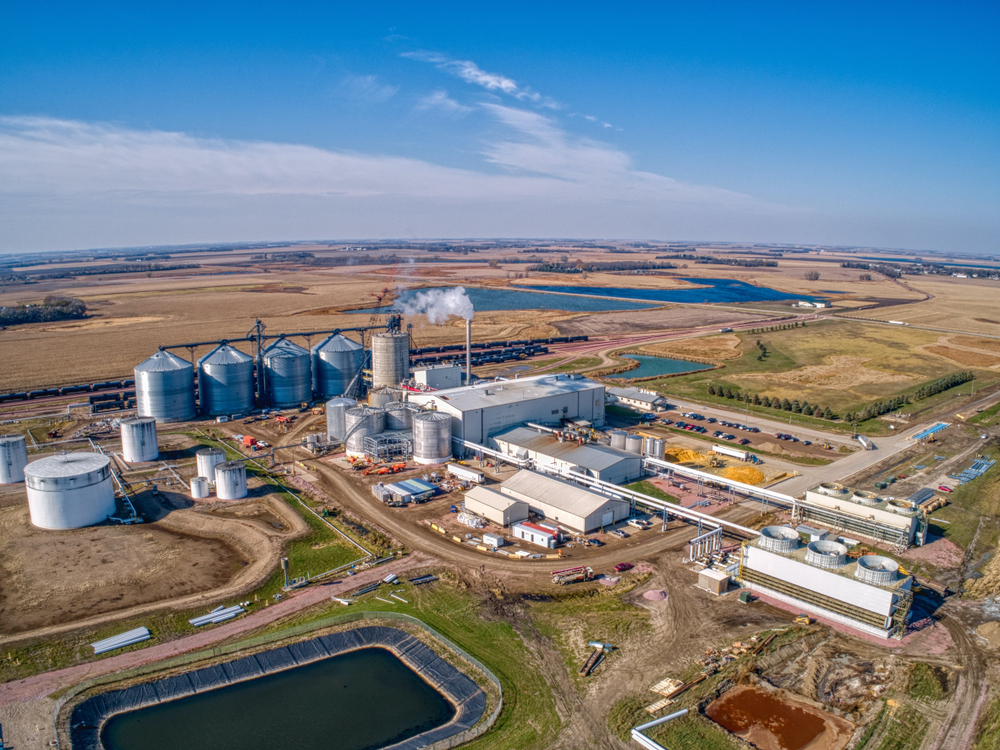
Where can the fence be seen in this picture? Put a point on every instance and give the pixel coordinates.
(270, 638)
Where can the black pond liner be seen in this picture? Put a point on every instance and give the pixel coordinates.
(469, 700)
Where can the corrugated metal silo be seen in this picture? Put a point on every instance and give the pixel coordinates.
(69, 491)
(287, 374)
(164, 388)
(336, 410)
(390, 359)
(398, 416)
(13, 458)
(139, 439)
(336, 361)
(368, 422)
(231, 480)
(225, 381)
(431, 437)
(633, 443)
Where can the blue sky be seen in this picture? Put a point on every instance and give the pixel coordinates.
(840, 123)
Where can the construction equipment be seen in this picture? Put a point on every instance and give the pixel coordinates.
(571, 575)
(318, 410)
(803, 619)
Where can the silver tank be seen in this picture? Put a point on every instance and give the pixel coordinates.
(164, 388)
(69, 491)
(335, 362)
(633, 443)
(368, 422)
(287, 374)
(207, 459)
(382, 397)
(390, 359)
(199, 487)
(225, 381)
(398, 416)
(13, 458)
(336, 410)
(139, 439)
(618, 439)
(231, 480)
(431, 437)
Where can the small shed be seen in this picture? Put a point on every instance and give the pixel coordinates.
(532, 532)
(493, 540)
(713, 581)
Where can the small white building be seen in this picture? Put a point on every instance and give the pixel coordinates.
(546, 450)
(496, 507)
(637, 398)
(438, 376)
(570, 506)
(535, 534)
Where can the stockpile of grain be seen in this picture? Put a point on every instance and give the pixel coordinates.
(745, 474)
(683, 456)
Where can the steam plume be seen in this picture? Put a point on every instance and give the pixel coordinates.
(439, 304)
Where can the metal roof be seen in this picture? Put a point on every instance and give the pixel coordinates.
(555, 493)
(417, 486)
(497, 393)
(285, 348)
(68, 465)
(925, 493)
(163, 362)
(493, 499)
(224, 354)
(536, 528)
(338, 342)
(588, 456)
(635, 394)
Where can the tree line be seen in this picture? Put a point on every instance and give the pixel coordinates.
(52, 308)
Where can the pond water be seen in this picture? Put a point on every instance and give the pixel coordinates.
(360, 700)
(486, 300)
(765, 721)
(650, 366)
(715, 290)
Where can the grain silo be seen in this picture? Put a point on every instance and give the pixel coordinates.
(336, 410)
(359, 423)
(390, 359)
(207, 459)
(382, 397)
(287, 374)
(431, 437)
(336, 361)
(139, 439)
(398, 416)
(13, 458)
(231, 480)
(199, 487)
(164, 388)
(69, 491)
(225, 381)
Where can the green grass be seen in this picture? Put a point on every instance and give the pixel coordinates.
(960, 527)
(987, 417)
(925, 682)
(905, 730)
(988, 733)
(626, 714)
(582, 363)
(692, 730)
(652, 490)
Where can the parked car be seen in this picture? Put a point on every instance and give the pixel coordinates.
(944, 489)
(619, 533)
(744, 441)
(807, 442)
(638, 523)
(711, 420)
(622, 567)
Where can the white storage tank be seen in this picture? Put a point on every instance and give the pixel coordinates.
(231, 480)
(431, 437)
(618, 439)
(199, 487)
(13, 458)
(69, 491)
(225, 381)
(287, 374)
(336, 412)
(336, 361)
(139, 439)
(207, 459)
(359, 423)
(633, 443)
(398, 416)
(390, 359)
(164, 388)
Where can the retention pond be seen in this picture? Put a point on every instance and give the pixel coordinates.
(650, 366)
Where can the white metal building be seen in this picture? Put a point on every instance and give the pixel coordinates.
(637, 398)
(438, 376)
(546, 450)
(485, 409)
(569, 505)
(535, 534)
(494, 506)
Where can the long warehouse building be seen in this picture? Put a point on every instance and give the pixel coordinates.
(573, 507)
(546, 450)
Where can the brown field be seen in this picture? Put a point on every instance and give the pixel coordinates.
(975, 342)
(636, 321)
(843, 372)
(964, 356)
(716, 348)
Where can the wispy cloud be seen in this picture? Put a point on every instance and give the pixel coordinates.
(440, 100)
(367, 88)
(469, 72)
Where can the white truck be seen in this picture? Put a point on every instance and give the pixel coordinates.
(467, 473)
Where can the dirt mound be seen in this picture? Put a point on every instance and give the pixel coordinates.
(655, 595)
(684, 455)
(745, 474)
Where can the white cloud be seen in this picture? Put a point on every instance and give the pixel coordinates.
(367, 88)
(440, 100)
(469, 72)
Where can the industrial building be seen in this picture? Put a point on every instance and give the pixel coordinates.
(548, 450)
(495, 506)
(637, 398)
(535, 534)
(867, 594)
(479, 411)
(896, 522)
(569, 505)
(438, 376)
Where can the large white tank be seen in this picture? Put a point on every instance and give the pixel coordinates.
(431, 437)
(368, 421)
(390, 359)
(207, 459)
(336, 411)
(13, 458)
(382, 397)
(69, 491)
(164, 388)
(336, 361)
(287, 374)
(231, 480)
(139, 439)
(633, 443)
(199, 487)
(225, 381)
(398, 416)
(618, 439)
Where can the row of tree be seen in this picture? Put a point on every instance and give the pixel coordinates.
(795, 406)
(742, 262)
(949, 381)
(581, 267)
(52, 308)
(783, 327)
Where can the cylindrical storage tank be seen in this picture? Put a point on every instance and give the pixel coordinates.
(287, 374)
(13, 458)
(431, 437)
(336, 410)
(207, 459)
(398, 416)
(199, 487)
(368, 421)
(659, 448)
(832, 489)
(336, 361)
(382, 397)
(633, 443)
(225, 381)
(231, 480)
(778, 539)
(164, 388)
(618, 439)
(865, 498)
(826, 554)
(139, 439)
(877, 570)
(649, 446)
(69, 491)
(390, 359)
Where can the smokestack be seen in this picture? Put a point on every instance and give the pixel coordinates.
(468, 351)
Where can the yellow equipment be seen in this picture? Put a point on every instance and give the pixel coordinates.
(802, 620)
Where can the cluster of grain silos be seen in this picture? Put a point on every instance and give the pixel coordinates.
(336, 362)
(287, 374)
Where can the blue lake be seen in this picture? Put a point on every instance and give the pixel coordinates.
(652, 366)
(486, 300)
(716, 290)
